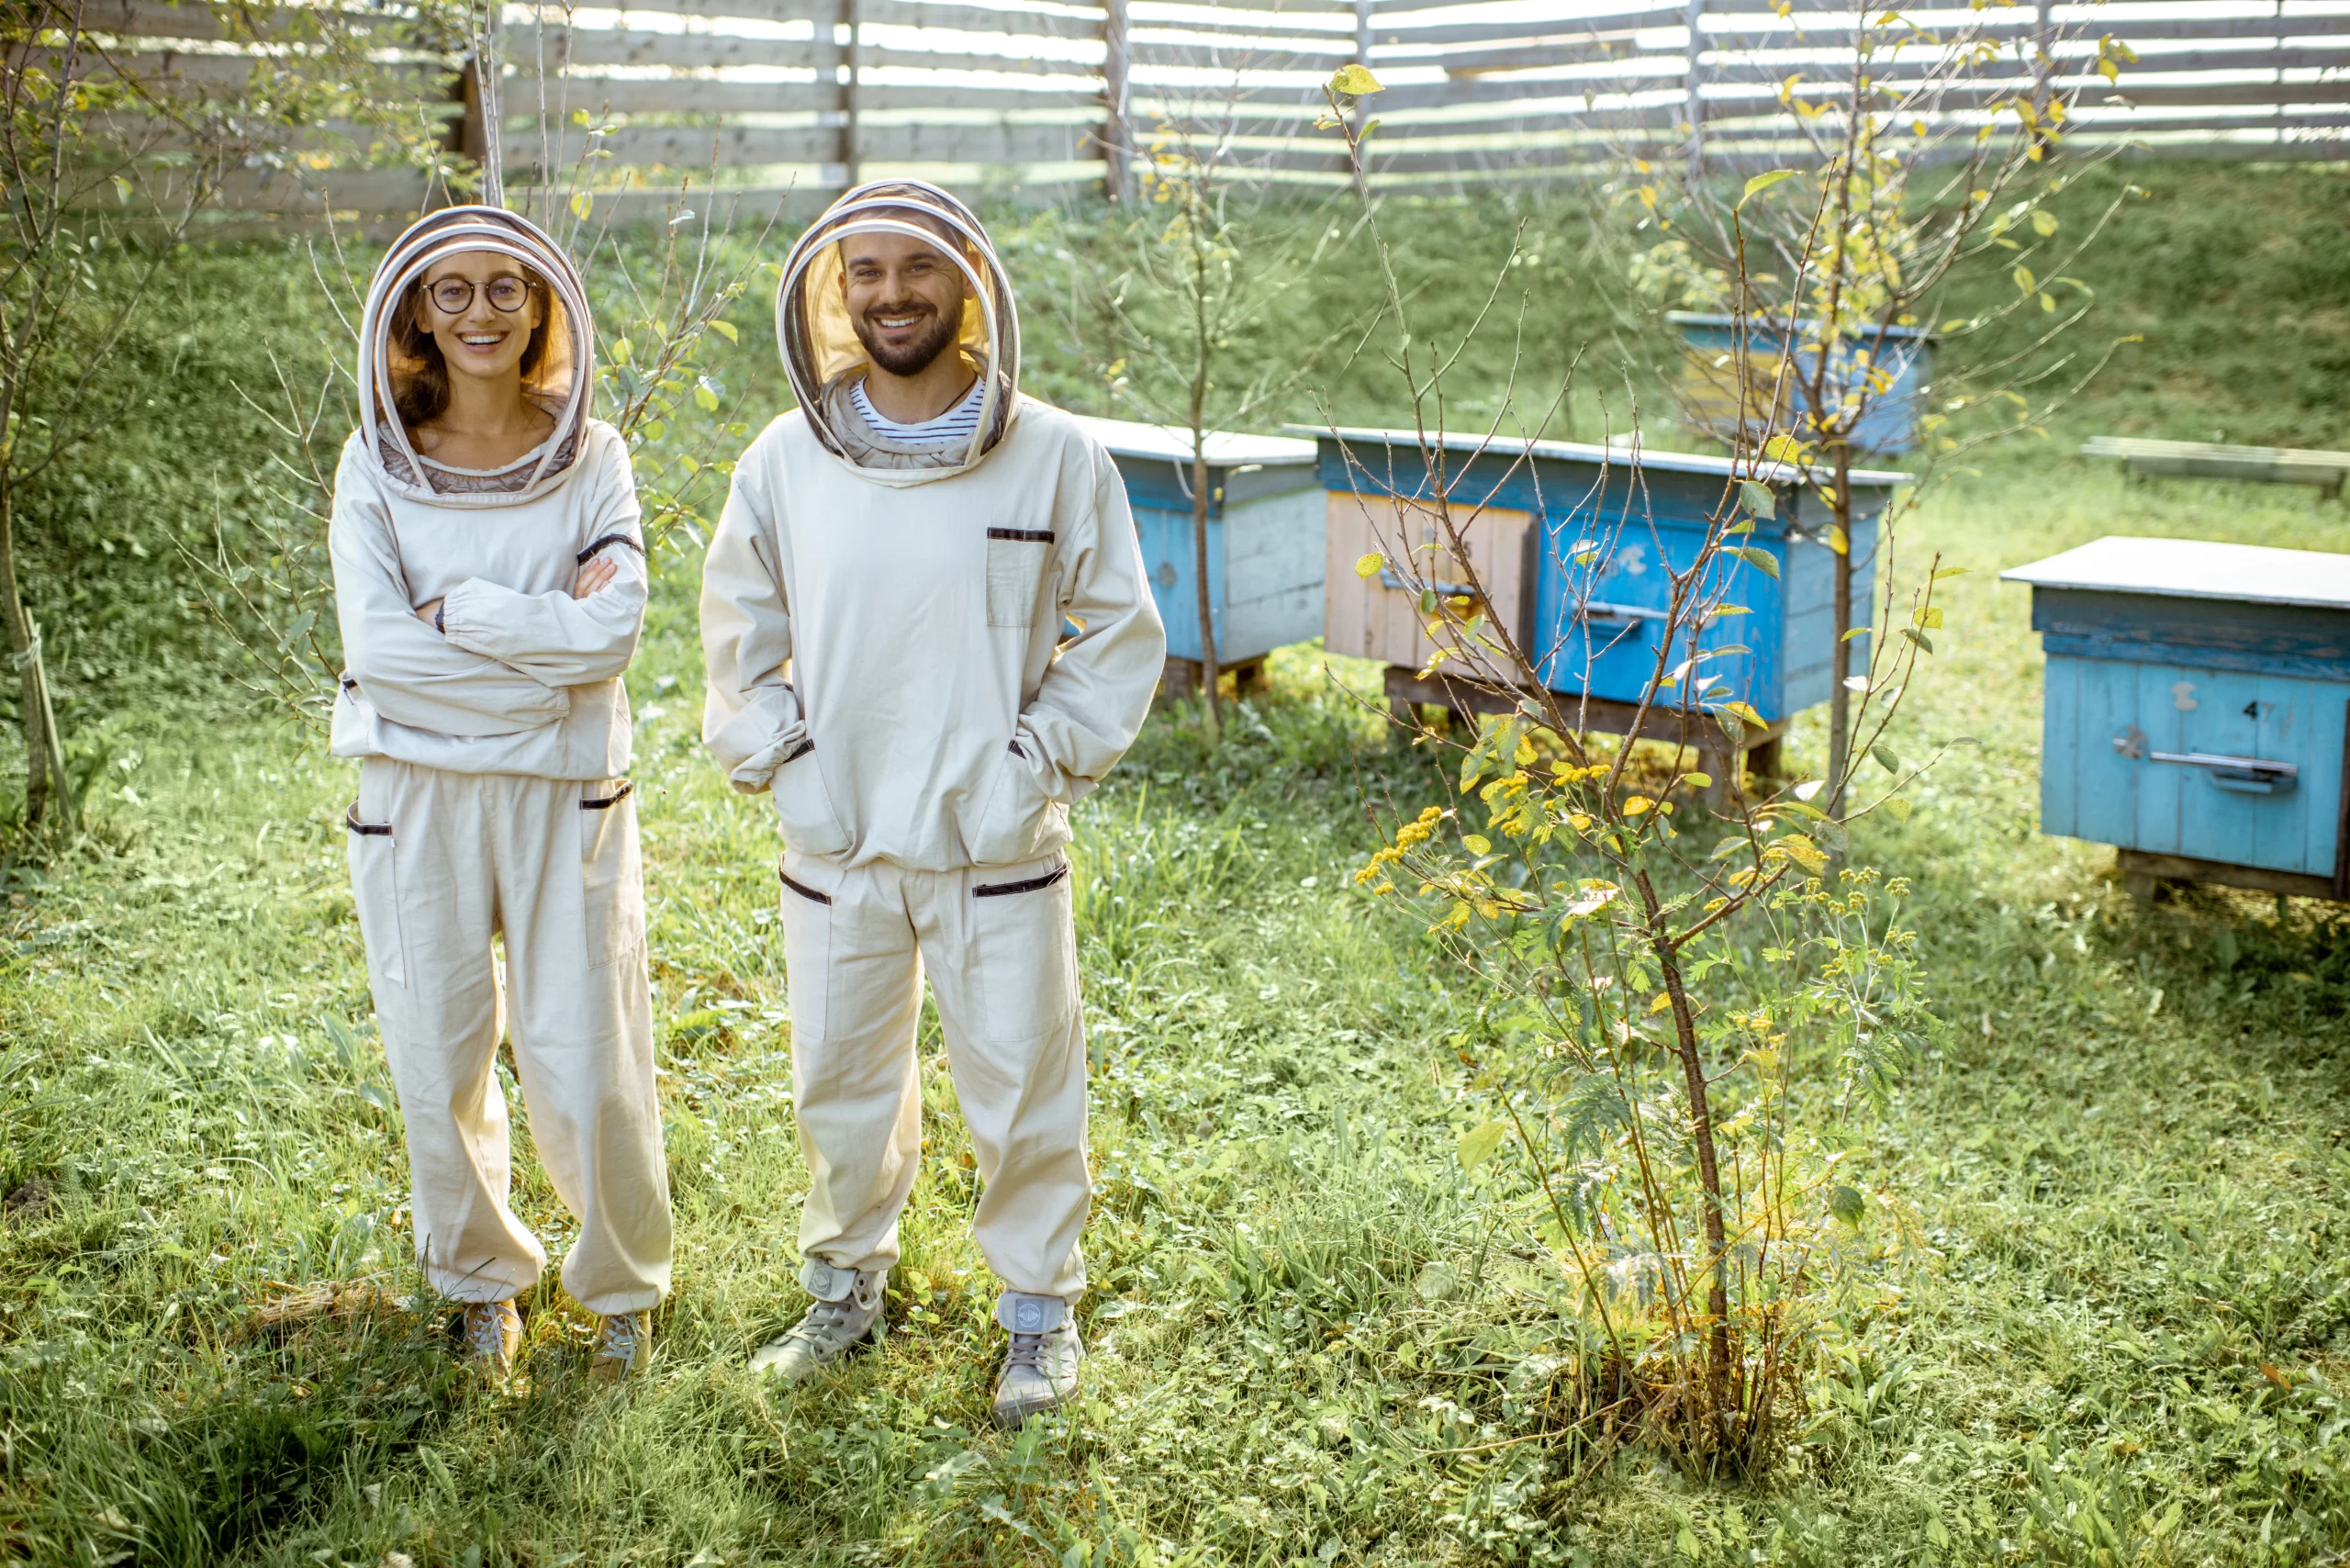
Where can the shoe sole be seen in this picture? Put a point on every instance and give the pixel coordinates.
(1013, 1418)
(865, 1343)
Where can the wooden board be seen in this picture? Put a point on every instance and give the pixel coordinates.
(1723, 760)
(1366, 617)
(2210, 460)
(692, 147)
(2140, 870)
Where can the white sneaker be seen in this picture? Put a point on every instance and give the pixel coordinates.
(1040, 1371)
(493, 1332)
(846, 1313)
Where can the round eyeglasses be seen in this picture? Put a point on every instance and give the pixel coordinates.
(454, 295)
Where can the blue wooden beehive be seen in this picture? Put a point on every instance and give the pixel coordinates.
(1265, 540)
(1591, 615)
(2195, 713)
(1905, 356)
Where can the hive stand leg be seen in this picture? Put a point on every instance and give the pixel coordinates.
(2139, 886)
(1405, 711)
(1721, 767)
(1180, 677)
(1250, 676)
(1763, 760)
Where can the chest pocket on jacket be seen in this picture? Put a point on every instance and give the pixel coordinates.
(1018, 559)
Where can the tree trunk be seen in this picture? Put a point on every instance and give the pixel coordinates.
(1200, 570)
(1840, 696)
(44, 748)
(1709, 1171)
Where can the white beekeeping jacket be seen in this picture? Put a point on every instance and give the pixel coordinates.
(523, 677)
(882, 623)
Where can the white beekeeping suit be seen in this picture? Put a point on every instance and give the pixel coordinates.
(883, 623)
(494, 800)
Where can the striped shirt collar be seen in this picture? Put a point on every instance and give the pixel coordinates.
(957, 424)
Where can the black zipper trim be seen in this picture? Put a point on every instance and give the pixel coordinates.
(1023, 535)
(804, 890)
(1034, 884)
(372, 830)
(803, 749)
(614, 798)
(608, 539)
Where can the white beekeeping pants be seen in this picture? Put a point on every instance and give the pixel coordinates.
(440, 862)
(1000, 944)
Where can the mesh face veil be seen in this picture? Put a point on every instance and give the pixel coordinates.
(818, 339)
(560, 382)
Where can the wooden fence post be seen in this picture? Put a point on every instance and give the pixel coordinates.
(2044, 47)
(847, 74)
(1117, 132)
(1695, 111)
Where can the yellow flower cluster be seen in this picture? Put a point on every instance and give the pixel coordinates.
(1409, 837)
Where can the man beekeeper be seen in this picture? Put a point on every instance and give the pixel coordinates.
(882, 609)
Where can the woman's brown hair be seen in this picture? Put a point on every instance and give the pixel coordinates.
(421, 393)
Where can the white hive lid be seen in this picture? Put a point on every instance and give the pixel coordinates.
(1625, 457)
(1225, 449)
(2196, 568)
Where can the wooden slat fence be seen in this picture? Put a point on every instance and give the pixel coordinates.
(795, 98)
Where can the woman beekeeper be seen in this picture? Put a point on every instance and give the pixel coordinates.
(490, 582)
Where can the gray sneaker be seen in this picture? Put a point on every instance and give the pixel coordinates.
(846, 1313)
(1040, 1371)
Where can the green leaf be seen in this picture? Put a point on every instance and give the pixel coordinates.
(1763, 181)
(1428, 602)
(582, 202)
(1754, 555)
(1757, 497)
(1885, 758)
(1477, 1145)
(1846, 1203)
(1368, 566)
(1698, 780)
(725, 329)
(1354, 81)
(1918, 637)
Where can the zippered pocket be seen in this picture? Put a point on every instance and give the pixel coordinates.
(612, 872)
(804, 806)
(1017, 560)
(375, 890)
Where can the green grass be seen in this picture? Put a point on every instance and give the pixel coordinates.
(2099, 1312)
(2111, 1203)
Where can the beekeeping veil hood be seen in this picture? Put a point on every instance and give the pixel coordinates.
(559, 381)
(824, 359)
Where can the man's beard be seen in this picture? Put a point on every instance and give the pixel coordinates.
(914, 358)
